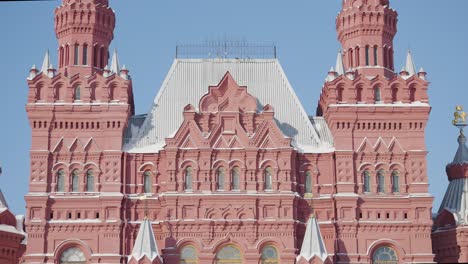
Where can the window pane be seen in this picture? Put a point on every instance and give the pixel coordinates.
(235, 178)
(188, 178)
(85, 55)
(61, 181)
(381, 181)
(90, 181)
(75, 182)
(270, 255)
(77, 54)
(72, 256)
(268, 179)
(229, 255)
(367, 187)
(396, 181)
(385, 255)
(78, 93)
(308, 182)
(188, 255)
(147, 182)
(220, 179)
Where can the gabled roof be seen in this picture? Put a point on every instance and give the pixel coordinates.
(188, 81)
(313, 244)
(145, 244)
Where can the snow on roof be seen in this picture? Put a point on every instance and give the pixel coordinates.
(188, 80)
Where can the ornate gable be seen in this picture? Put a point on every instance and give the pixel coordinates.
(228, 120)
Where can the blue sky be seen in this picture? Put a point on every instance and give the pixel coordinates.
(304, 31)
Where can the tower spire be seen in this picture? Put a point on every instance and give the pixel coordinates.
(115, 66)
(410, 67)
(46, 63)
(340, 68)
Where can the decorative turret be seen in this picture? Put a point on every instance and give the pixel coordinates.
(84, 30)
(145, 250)
(313, 248)
(366, 29)
(449, 238)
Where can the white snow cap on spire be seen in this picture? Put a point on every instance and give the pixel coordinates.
(46, 63)
(410, 67)
(313, 244)
(115, 67)
(145, 244)
(340, 68)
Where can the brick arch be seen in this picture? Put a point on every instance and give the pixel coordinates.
(278, 243)
(220, 163)
(72, 243)
(386, 243)
(237, 163)
(188, 162)
(268, 162)
(147, 166)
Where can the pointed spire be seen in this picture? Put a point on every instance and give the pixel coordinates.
(115, 68)
(3, 203)
(461, 157)
(33, 72)
(340, 68)
(410, 66)
(46, 63)
(145, 244)
(313, 244)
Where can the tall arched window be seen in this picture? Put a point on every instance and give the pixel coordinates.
(85, 54)
(229, 254)
(381, 181)
(147, 182)
(270, 255)
(77, 93)
(73, 256)
(188, 178)
(376, 54)
(351, 58)
(384, 255)
(367, 181)
(235, 178)
(308, 182)
(61, 181)
(75, 181)
(61, 54)
(103, 57)
(188, 255)
(385, 57)
(95, 56)
(220, 175)
(395, 181)
(377, 94)
(77, 54)
(358, 59)
(90, 181)
(67, 55)
(268, 178)
(367, 55)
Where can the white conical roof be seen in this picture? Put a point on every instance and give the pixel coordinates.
(313, 244)
(46, 62)
(410, 67)
(340, 68)
(3, 203)
(145, 244)
(115, 67)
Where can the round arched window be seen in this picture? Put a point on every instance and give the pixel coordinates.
(73, 256)
(385, 255)
(270, 255)
(188, 255)
(229, 254)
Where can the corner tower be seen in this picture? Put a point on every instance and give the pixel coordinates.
(78, 114)
(378, 119)
(366, 29)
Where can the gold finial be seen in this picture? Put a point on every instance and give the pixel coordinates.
(459, 118)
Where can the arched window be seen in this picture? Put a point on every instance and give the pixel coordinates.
(75, 181)
(358, 59)
(103, 57)
(67, 55)
(268, 178)
(367, 55)
(77, 54)
(270, 255)
(376, 54)
(90, 181)
(412, 94)
(188, 255)
(95, 56)
(381, 181)
(77, 93)
(147, 182)
(351, 58)
(229, 255)
(395, 181)
(377, 94)
(61, 181)
(85, 54)
(235, 178)
(367, 181)
(188, 178)
(73, 256)
(385, 57)
(61, 54)
(308, 182)
(220, 175)
(384, 255)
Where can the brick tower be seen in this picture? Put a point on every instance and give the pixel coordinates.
(377, 118)
(78, 114)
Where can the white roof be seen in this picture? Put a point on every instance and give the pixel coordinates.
(3, 203)
(145, 244)
(313, 244)
(188, 80)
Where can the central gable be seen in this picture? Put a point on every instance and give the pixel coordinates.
(228, 119)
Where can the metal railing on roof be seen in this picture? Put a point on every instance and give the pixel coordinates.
(226, 50)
